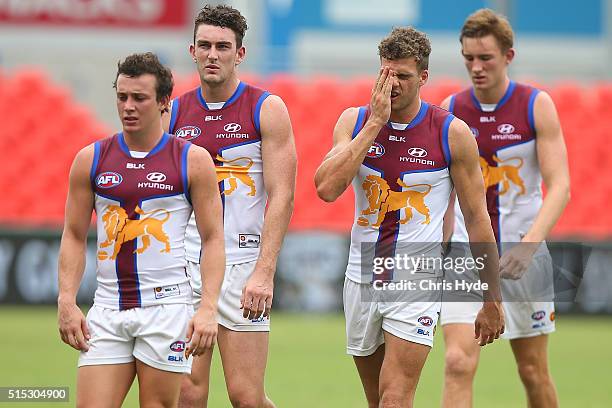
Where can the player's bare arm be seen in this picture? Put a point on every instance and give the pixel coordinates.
(279, 169)
(79, 206)
(469, 186)
(552, 159)
(342, 163)
(206, 202)
(449, 216)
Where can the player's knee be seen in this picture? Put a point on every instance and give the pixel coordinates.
(245, 398)
(193, 393)
(394, 399)
(533, 375)
(459, 364)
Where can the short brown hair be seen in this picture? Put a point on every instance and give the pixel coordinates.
(222, 16)
(406, 42)
(147, 63)
(487, 22)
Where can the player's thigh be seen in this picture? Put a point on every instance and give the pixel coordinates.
(369, 368)
(200, 372)
(402, 365)
(157, 388)
(244, 355)
(532, 351)
(104, 385)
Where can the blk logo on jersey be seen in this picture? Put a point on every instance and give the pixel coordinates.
(382, 200)
(234, 172)
(135, 166)
(487, 119)
(208, 118)
(503, 173)
(120, 229)
(108, 179)
(393, 138)
(188, 132)
(375, 151)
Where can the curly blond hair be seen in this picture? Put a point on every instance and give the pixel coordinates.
(485, 22)
(406, 42)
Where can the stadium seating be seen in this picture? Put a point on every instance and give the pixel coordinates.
(44, 127)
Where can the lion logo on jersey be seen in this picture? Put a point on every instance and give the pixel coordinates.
(382, 200)
(120, 229)
(502, 173)
(235, 172)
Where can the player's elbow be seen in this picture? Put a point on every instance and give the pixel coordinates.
(326, 192)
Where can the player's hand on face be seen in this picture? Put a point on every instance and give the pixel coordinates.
(202, 331)
(489, 324)
(515, 262)
(73, 326)
(380, 102)
(257, 294)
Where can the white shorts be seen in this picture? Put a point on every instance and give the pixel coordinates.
(229, 312)
(366, 320)
(460, 306)
(154, 335)
(527, 311)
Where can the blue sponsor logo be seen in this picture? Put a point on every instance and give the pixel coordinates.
(423, 332)
(176, 359)
(538, 325)
(261, 319)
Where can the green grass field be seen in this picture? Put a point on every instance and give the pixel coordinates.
(308, 366)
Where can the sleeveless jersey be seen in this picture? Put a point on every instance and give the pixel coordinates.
(142, 207)
(506, 140)
(232, 137)
(402, 190)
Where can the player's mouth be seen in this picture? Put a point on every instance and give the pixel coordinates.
(479, 79)
(394, 95)
(130, 120)
(212, 68)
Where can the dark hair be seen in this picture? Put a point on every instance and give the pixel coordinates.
(406, 42)
(222, 16)
(487, 22)
(147, 63)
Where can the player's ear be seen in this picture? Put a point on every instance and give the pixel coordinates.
(240, 54)
(165, 104)
(423, 77)
(510, 55)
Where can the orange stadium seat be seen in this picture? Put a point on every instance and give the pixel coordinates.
(42, 119)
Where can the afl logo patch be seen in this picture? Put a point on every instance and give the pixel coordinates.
(108, 179)
(425, 321)
(178, 346)
(376, 150)
(188, 132)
